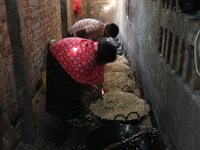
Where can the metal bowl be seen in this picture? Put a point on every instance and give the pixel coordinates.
(107, 135)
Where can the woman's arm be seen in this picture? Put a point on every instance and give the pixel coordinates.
(100, 87)
(94, 91)
(81, 33)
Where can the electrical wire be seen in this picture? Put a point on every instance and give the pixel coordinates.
(195, 51)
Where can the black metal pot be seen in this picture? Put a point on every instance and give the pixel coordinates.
(126, 118)
(104, 136)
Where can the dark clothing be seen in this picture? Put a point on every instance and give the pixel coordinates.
(63, 93)
(69, 35)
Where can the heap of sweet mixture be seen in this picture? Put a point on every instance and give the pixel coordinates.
(122, 96)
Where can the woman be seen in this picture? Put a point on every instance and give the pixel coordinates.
(93, 29)
(73, 64)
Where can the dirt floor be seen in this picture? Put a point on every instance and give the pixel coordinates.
(53, 133)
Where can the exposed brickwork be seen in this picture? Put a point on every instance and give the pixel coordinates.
(70, 13)
(40, 22)
(7, 87)
(91, 9)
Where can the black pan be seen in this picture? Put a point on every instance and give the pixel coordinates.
(126, 118)
(125, 121)
(107, 135)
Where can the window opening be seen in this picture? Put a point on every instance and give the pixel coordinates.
(173, 57)
(164, 42)
(168, 46)
(187, 66)
(160, 40)
(128, 9)
(180, 57)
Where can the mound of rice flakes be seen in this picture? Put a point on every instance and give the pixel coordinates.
(119, 103)
(117, 67)
(120, 65)
(122, 59)
(118, 81)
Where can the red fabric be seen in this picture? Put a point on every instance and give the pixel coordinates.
(77, 6)
(78, 57)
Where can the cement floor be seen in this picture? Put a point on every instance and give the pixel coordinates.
(53, 133)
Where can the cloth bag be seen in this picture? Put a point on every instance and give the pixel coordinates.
(77, 6)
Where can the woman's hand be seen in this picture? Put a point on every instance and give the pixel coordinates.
(100, 87)
(102, 91)
(94, 91)
(97, 93)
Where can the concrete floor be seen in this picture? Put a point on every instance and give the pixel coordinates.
(53, 133)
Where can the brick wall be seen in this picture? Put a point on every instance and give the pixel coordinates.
(39, 21)
(95, 9)
(7, 87)
(70, 15)
(92, 9)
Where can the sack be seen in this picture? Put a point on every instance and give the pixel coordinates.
(8, 138)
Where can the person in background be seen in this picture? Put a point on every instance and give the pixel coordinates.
(93, 29)
(74, 64)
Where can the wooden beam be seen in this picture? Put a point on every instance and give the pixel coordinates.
(63, 7)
